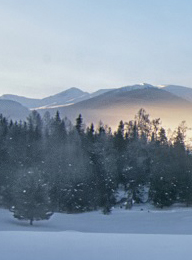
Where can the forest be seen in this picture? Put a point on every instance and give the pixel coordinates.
(49, 165)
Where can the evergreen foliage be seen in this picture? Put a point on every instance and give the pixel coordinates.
(31, 198)
(48, 164)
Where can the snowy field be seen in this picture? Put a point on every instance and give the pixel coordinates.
(135, 234)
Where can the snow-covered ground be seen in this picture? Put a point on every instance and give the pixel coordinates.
(135, 234)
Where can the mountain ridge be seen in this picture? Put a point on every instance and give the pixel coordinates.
(69, 96)
(113, 105)
(75, 95)
(180, 91)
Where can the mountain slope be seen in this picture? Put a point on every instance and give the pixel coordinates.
(110, 106)
(13, 110)
(67, 97)
(180, 91)
(119, 104)
(27, 102)
(72, 95)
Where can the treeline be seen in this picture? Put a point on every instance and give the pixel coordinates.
(47, 164)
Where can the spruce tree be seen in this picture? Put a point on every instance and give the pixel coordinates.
(79, 124)
(31, 198)
(120, 147)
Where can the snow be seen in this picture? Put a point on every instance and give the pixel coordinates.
(74, 245)
(141, 233)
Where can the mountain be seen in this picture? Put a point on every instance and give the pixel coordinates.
(135, 87)
(180, 91)
(71, 95)
(67, 97)
(110, 105)
(99, 92)
(124, 103)
(13, 110)
(27, 102)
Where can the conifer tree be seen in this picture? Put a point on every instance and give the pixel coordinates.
(31, 198)
(79, 124)
(120, 147)
(105, 171)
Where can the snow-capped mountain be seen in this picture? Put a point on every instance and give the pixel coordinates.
(124, 103)
(112, 105)
(68, 97)
(134, 87)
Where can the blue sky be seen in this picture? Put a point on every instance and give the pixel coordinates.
(47, 46)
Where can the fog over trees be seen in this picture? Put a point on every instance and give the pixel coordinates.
(47, 165)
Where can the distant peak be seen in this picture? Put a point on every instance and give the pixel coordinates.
(144, 84)
(73, 89)
(135, 87)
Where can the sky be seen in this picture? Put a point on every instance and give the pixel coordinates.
(48, 46)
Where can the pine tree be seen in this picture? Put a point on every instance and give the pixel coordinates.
(120, 146)
(31, 198)
(105, 171)
(182, 165)
(163, 190)
(163, 181)
(79, 124)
